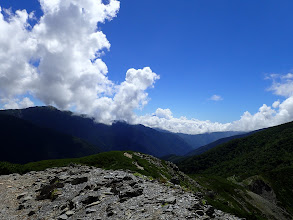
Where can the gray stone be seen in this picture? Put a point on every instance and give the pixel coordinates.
(170, 200)
(90, 210)
(31, 213)
(87, 194)
(63, 217)
(69, 213)
(175, 180)
(27, 198)
(199, 212)
(93, 204)
(21, 195)
(79, 180)
(90, 199)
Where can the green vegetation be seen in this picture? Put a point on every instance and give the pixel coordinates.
(267, 150)
(226, 172)
(226, 196)
(282, 182)
(54, 194)
(267, 154)
(108, 160)
(7, 168)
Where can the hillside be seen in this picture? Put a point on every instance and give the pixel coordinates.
(118, 136)
(23, 142)
(261, 162)
(267, 150)
(199, 140)
(86, 192)
(200, 150)
(209, 146)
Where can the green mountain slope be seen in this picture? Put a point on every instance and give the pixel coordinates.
(138, 163)
(262, 163)
(118, 136)
(209, 146)
(23, 142)
(263, 151)
(200, 140)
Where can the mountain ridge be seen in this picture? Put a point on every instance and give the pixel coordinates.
(118, 136)
(22, 142)
(261, 162)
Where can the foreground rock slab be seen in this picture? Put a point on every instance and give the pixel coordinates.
(81, 192)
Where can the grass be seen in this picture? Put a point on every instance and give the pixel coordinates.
(267, 154)
(114, 160)
(282, 181)
(226, 195)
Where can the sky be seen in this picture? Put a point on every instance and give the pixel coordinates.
(190, 66)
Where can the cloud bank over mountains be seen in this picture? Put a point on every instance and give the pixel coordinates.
(58, 61)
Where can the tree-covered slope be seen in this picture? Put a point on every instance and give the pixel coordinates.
(118, 136)
(23, 142)
(211, 145)
(200, 140)
(263, 151)
(261, 162)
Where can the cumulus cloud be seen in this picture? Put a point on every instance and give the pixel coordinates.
(163, 119)
(17, 103)
(163, 113)
(16, 50)
(216, 98)
(266, 116)
(282, 84)
(129, 95)
(58, 61)
(276, 104)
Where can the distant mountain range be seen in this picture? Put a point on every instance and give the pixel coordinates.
(249, 174)
(205, 148)
(200, 140)
(118, 136)
(22, 142)
(200, 150)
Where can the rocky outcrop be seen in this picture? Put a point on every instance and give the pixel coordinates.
(81, 192)
(261, 188)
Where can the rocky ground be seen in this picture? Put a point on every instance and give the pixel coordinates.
(81, 192)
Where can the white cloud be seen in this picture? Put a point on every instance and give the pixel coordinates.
(276, 104)
(70, 73)
(282, 84)
(288, 76)
(163, 119)
(17, 104)
(266, 116)
(163, 113)
(16, 49)
(216, 98)
(129, 95)
(66, 47)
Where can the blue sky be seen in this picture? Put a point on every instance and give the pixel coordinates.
(200, 49)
